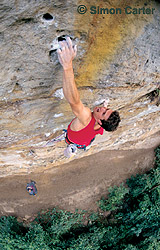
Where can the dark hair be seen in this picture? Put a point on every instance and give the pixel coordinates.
(112, 122)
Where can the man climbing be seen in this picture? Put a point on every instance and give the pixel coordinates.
(86, 125)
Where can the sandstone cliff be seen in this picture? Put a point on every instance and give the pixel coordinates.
(118, 58)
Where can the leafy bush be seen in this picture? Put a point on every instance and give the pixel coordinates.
(115, 198)
(132, 224)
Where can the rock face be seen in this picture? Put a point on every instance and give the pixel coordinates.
(118, 58)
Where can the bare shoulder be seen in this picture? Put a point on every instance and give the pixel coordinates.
(82, 113)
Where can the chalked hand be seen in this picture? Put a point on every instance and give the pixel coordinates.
(67, 53)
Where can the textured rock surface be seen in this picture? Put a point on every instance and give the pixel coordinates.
(118, 58)
(76, 185)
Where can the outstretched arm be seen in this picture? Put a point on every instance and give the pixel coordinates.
(66, 55)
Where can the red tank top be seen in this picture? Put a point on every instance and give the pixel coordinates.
(85, 135)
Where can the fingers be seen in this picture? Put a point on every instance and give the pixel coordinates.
(70, 45)
(69, 42)
(59, 51)
(75, 50)
(63, 45)
(67, 51)
(105, 104)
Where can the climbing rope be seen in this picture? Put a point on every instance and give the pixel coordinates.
(59, 138)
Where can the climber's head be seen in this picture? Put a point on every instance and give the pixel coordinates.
(106, 118)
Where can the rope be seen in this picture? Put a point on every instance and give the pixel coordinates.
(56, 139)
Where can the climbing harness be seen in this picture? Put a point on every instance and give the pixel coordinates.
(31, 188)
(71, 149)
(77, 145)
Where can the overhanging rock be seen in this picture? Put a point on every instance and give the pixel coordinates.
(118, 58)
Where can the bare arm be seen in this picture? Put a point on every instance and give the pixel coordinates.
(66, 55)
(69, 87)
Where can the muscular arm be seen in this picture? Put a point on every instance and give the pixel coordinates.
(66, 55)
(69, 87)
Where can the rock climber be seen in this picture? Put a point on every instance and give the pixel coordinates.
(86, 124)
(31, 188)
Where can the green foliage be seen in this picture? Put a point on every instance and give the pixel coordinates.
(132, 224)
(157, 160)
(115, 198)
